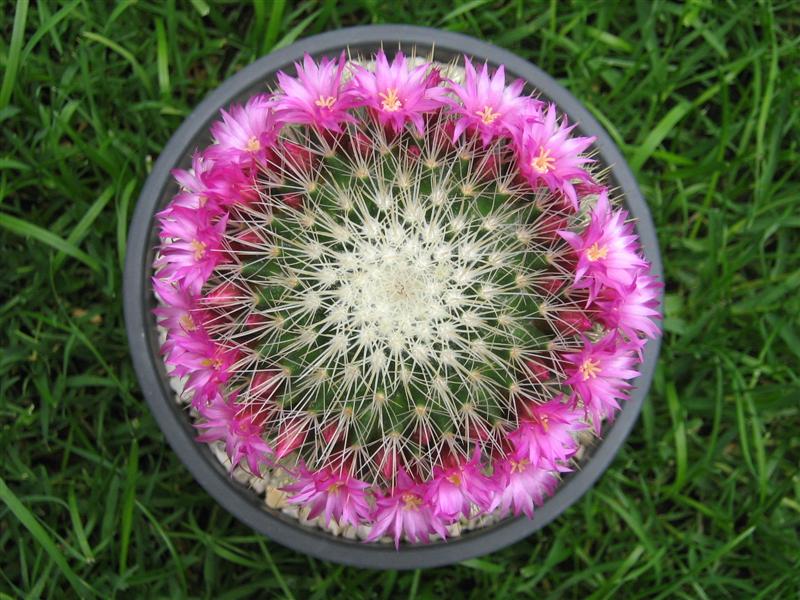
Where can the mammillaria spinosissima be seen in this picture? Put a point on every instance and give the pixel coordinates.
(407, 292)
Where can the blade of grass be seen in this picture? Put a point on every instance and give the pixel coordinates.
(13, 59)
(274, 25)
(275, 571)
(201, 6)
(25, 229)
(80, 230)
(679, 432)
(126, 54)
(128, 498)
(162, 59)
(77, 526)
(47, 27)
(295, 31)
(31, 523)
(122, 221)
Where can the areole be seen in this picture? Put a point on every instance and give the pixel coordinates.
(143, 336)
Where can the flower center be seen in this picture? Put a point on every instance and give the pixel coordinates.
(199, 249)
(214, 363)
(391, 103)
(519, 467)
(411, 501)
(325, 101)
(455, 479)
(589, 369)
(187, 323)
(253, 145)
(544, 421)
(596, 252)
(487, 115)
(544, 162)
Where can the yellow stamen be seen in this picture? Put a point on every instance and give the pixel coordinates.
(487, 115)
(199, 249)
(411, 501)
(212, 362)
(596, 252)
(589, 369)
(455, 479)
(253, 145)
(187, 323)
(519, 467)
(544, 421)
(325, 102)
(544, 162)
(391, 102)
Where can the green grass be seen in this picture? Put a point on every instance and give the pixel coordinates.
(704, 499)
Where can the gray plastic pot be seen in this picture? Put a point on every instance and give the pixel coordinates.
(143, 338)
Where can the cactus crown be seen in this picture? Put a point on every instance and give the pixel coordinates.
(399, 287)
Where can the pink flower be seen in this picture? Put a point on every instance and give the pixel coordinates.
(239, 427)
(396, 94)
(206, 363)
(599, 372)
(487, 105)
(190, 249)
(454, 489)
(632, 308)
(338, 495)
(546, 434)
(406, 512)
(607, 251)
(523, 485)
(547, 155)
(315, 97)
(211, 185)
(179, 312)
(245, 135)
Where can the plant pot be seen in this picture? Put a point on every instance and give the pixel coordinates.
(144, 337)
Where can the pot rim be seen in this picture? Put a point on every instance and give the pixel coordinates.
(138, 300)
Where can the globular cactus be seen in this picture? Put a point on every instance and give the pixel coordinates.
(407, 291)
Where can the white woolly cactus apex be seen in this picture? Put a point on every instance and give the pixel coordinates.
(407, 292)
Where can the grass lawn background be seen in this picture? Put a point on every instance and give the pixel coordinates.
(704, 499)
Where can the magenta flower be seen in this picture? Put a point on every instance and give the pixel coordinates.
(206, 363)
(245, 134)
(454, 489)
(338, 495)
(398, 95)
(178, 312)
(523, 485)
(211, 185)
(486, 105)
(190, 248)
(239, 427)
(546, 435)
(598, 374)
(547, 155)
(632, 308)
(406, 512)
(316, 96)
(607, 251)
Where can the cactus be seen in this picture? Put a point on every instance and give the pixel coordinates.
(409, 292)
